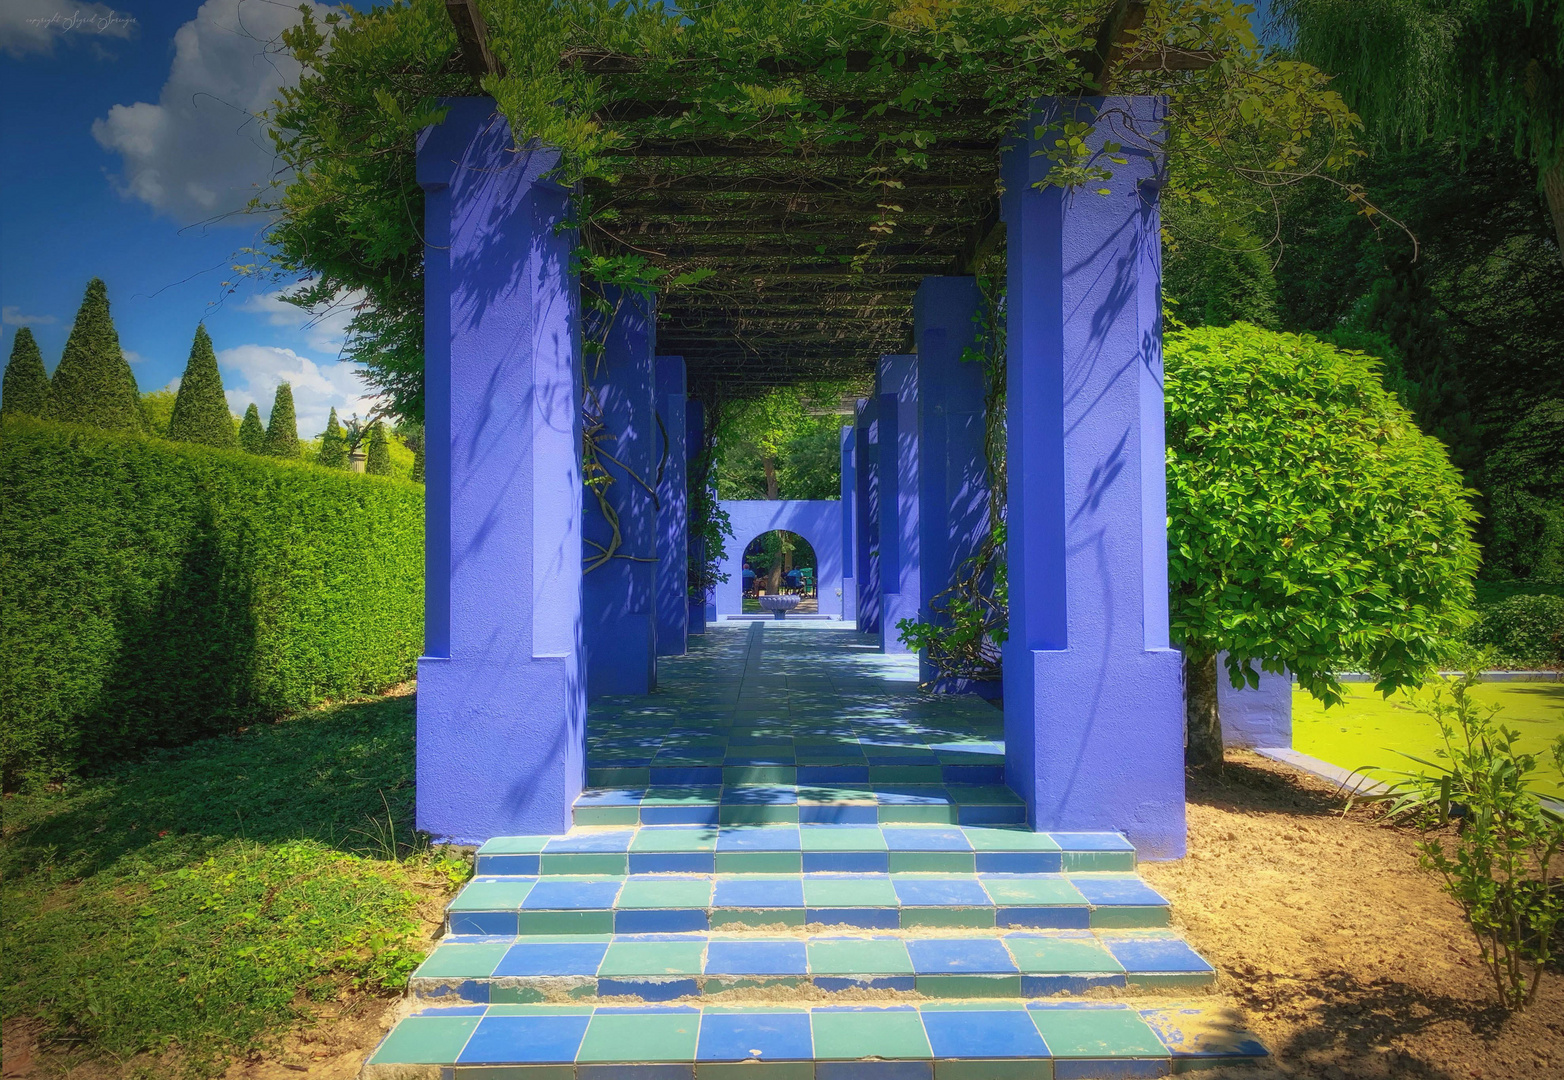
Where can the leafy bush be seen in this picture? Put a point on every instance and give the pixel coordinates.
(1500, 865)
(156, 591)
(1523, 631)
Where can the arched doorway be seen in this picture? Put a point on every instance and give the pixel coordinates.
(816, 528)
(781, 561)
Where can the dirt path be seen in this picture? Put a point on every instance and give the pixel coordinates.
(1341, 955)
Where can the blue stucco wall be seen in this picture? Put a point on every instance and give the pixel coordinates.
(817, 520)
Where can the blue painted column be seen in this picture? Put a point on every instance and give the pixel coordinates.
(620, 615)
(673, 519)
(901, 579)
(694, 440)
(1093, 694)
(501, 698)
(866, 528)
(952, 467)
(849, 522)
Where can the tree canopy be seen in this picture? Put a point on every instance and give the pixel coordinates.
(282, 430)
(93, 384)
(1312, 527)
(201, 410)
(782, 174)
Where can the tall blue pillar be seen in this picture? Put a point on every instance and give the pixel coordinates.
(952, 466)
(620, 616)
(849, 498)
(901, 579)
(866, 530)
(694, 442)
(501, 701)
(1093, 694)
(673, 519)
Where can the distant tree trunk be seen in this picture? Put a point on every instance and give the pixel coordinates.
(1202, 720)
(771, 477)
(1553, 188)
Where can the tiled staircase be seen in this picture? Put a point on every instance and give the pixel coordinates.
(797, 926)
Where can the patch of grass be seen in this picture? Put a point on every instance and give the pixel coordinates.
(1369, 729)
(199, 900)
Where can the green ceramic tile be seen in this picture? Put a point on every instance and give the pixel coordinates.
(753, 918)
(905, 774)
(984, 795)
(1098, 860)
(462, 960)
(1001, 1069)
(851, 1035)
(1097, 1033)
(755, 1070)
(605, 815)
(842, 838)
(759, 774)
(675, 796)
(653, 958)
(1127, 917)
(492, 895)
(592, 863)
(859, 956)
(760, 862)
(1056, 956)
(969, 986)
(540, 1010)
(991, 839)
(951, 917)
(514, 845)
(674, 839)
(905, 814)
(515, 1072)
(933, 862)
(761, 814)
(513, 995)
(425, 1040)
(637, 1037)
(832, 794)
(611, 777)
(665, 892)
(1031, 891)
(565, 922)
(846, 892)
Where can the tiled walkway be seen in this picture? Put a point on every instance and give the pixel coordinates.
(786, 826)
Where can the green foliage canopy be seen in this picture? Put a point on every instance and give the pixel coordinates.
(201, 410)
(378, 462)
(333, 447)
(26, 387)
(784, 444)
(282, 430)
(252, 435)
(1526, 495)
(1311, 525)
(93, 384)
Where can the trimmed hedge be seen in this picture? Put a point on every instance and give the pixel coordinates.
(155, 592)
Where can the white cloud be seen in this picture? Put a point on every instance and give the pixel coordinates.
(12, 316)
(33, 26)
(324, 328)
(133, 357)
(201, 151)
(252, 372)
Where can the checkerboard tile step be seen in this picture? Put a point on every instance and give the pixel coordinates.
(667, 967)
(698, 903)
(793, 849)
(760, 798)
(956, 1041)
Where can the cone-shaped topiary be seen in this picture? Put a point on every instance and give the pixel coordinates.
(252, 436)
(201, 411)
(379, 461)
(26, 386)
(93, 384)
(333, 445)
(282, 431)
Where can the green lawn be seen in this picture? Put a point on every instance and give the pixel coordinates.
(1370, 730)
(200, 900)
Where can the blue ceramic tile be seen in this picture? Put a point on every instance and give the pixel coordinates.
(508, 865)
(495, 923)
(837, 814)
(972, 774)
(686, 775)
(991, 815)
(672, 862)
(963, 1033)
(611, 797)
(551, 958)
(874, 1070)
(759, 838)
(1114, 891)
(616, 842)
(780, 891)
(755, 1037)
(555, 894)
(1110, 1069)
(758, 796)
(940, 892)
(660, 921)
(525, 1040)
(635, 1072)
(1057, 917)
(936, 956)
(1091, 841)
(833, 774)
(756, 958)
(908, 839)
(847, 862)
(679, 815)
(1033, 986)
(1156, 954)
(648, 989)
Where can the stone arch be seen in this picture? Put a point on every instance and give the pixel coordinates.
(818, 521)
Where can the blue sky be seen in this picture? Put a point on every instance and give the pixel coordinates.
(128, 137)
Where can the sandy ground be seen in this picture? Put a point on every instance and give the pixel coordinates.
(1344, 958)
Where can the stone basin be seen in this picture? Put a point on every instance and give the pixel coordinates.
(779, 605)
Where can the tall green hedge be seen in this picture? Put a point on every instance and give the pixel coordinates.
(153, 592)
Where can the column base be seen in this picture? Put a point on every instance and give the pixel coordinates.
(488, 769)
(1096, 742)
